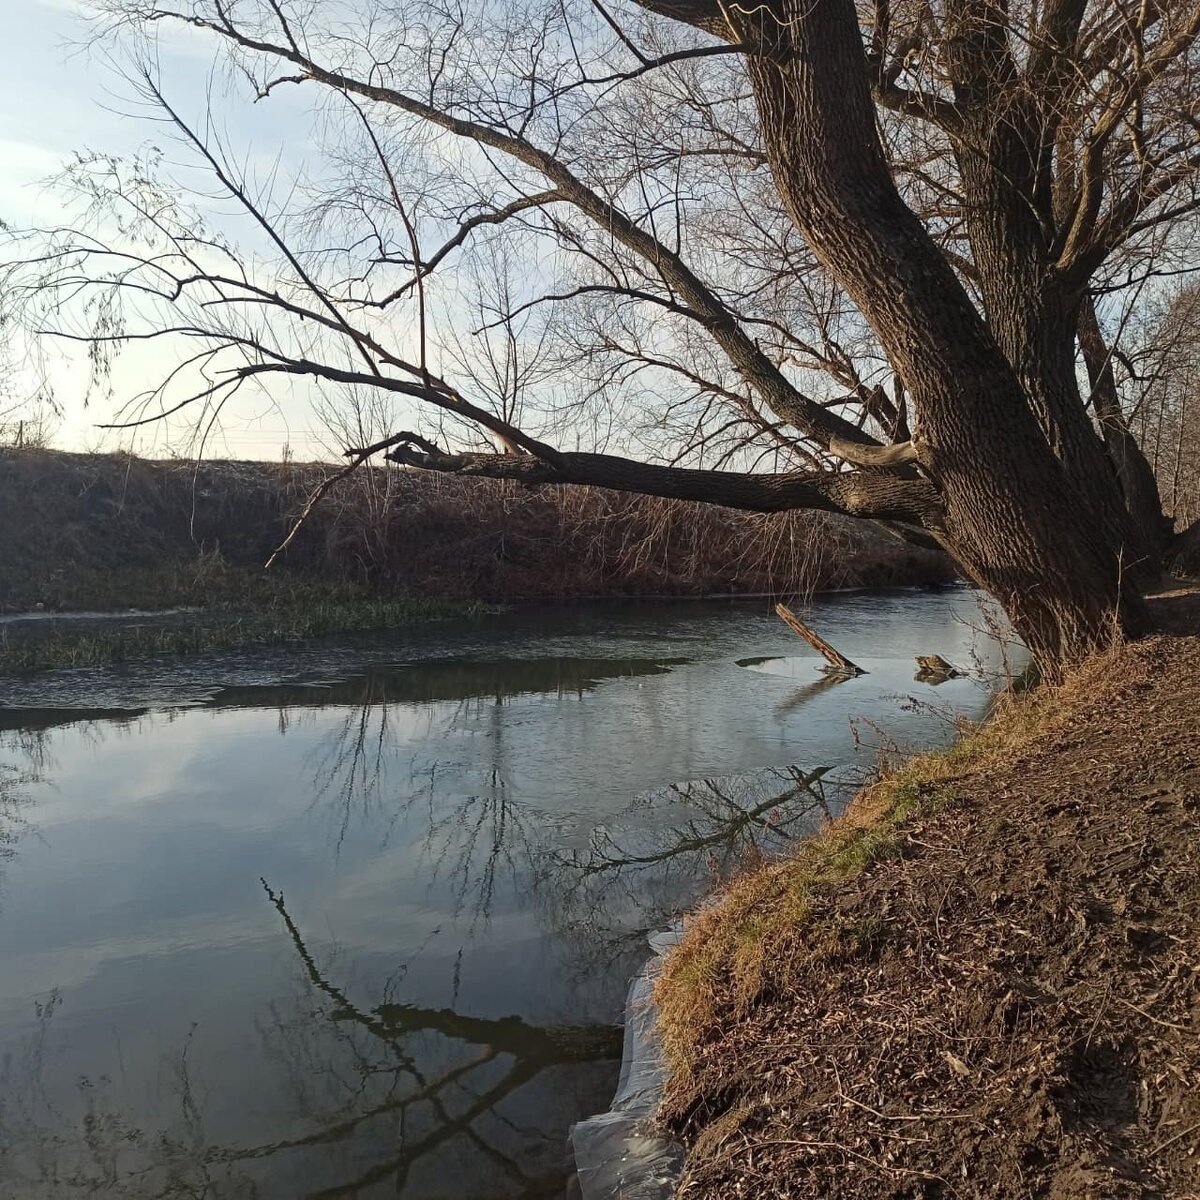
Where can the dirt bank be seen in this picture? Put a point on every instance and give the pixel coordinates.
(986, 984)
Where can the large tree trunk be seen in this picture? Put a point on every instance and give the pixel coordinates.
(1013, 519)
(1036, 331)
(1031, 312)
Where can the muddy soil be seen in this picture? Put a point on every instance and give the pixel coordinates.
(1021, 1017)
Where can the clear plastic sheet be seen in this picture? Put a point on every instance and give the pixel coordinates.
(618, 1156)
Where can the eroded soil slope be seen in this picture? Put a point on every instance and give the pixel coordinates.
(1018, 1013)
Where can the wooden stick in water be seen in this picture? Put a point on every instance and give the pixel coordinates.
(839, 662)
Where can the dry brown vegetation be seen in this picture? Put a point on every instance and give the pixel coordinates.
(983, 981)
(80, 530)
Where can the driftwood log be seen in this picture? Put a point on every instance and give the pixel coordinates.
(935, 669)
(837, 662)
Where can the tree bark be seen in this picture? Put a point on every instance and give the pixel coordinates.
(1034, 322)
(1004, 161)
(1005, 492)
(853, 493)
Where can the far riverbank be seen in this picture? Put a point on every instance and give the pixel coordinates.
(107, 534)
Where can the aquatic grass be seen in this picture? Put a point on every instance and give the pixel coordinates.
(301, 617)
(759, 937)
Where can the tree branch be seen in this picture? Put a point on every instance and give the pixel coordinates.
(874, 456)
(753, 365)
(853, 494)
(707, 15)
(928, 107)
(427, 266)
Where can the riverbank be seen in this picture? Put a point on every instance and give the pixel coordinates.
(113, 533)
(983, 981)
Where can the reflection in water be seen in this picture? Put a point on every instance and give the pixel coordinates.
(423, 681)
(671, 846)
(726, 816)
(472, 849)
(698, 828)
(430, 1077)
(451, 679)
(15, 780)
(482, 1062)
(802, 696)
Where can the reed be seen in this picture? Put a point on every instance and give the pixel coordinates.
(110, 531)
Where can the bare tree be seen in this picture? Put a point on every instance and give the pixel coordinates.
(1154, 370)
(780, 256)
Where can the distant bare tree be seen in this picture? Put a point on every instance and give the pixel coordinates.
(1157, 365)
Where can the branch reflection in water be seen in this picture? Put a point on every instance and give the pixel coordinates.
(385, 1092)
(15, 801)
(668, 849)
(381, 1095)
(630, 875)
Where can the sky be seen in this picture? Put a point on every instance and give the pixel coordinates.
(58, 97)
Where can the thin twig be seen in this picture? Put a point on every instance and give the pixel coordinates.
(359, 456)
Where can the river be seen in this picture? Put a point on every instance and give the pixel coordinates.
(356, 919)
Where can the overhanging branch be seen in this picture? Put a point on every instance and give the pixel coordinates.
(855, 494)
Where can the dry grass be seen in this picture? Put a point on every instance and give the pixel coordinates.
(71, 520)
(982, 982)
(113, 532)
(757, 941)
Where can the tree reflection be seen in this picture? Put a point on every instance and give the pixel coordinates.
(15, 801)
(464, 1069)
(635, 873)
(663, 853)
(719, 819)
(392, 1093)
(359, 1091)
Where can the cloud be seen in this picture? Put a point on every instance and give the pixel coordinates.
(25, 198)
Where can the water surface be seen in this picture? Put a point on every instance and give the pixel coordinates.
(357, 919)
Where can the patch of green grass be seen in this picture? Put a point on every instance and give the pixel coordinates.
(237, 606)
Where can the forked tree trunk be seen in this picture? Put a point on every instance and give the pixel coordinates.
(1031, 311)
(1012, 518)
(1036, 332)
